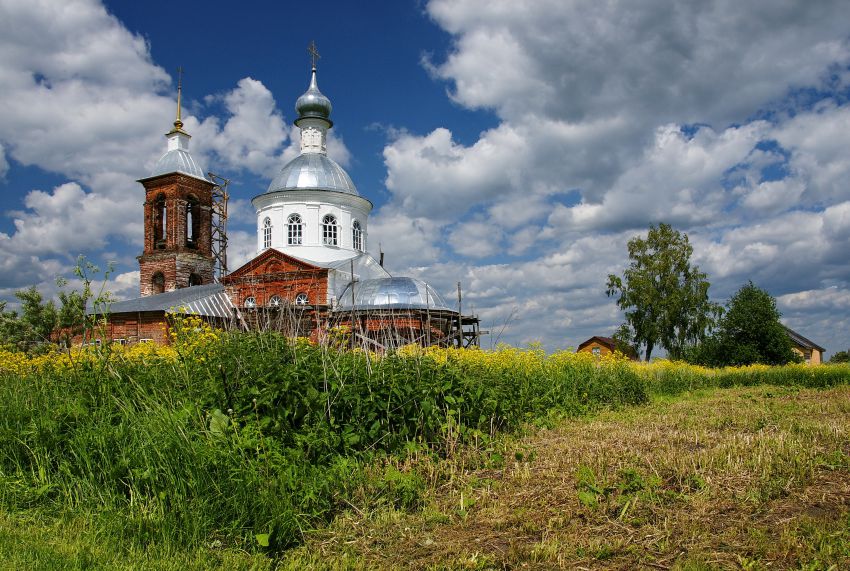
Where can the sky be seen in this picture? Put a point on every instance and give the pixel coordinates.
(513, 146)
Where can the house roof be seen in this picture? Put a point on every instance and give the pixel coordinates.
(798, 339)
(607, 341)
(611, 344)
(208, 300)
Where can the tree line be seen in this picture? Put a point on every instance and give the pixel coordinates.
(41, 323)
(664, 298)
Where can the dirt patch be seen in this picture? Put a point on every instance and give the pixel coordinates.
(826, 496)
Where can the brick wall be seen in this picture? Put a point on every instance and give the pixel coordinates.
(176, 256)
(273, 273)
(176, 269)
(131, 328)
(285, 285)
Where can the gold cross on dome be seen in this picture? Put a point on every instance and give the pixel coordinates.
(314, 53)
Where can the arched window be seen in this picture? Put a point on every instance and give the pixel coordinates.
(274, 301)
(302, 299)
(250, 302)
(329, 237)
(294, 230)
(193, 221)
(195, 280)
(158, 283)
(160, 224)
(357, 236)
(267, 233)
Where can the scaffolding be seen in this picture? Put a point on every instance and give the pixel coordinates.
(219, 225)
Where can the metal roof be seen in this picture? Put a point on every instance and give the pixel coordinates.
(798, 339)
(178, 160)
(392, 293)
(313, 171)
(208, 300)
(607, 341)
(313, 102)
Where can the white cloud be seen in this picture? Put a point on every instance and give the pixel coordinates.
(120, 286)
(241, 247)
(83, 98)
(831, 299)
(775, 196)
(405, 240)
(69, 220)
(820, 315)
(252, 136)
(476, 239)
(678, 181)
(617, 116)
(709, 61)
(817, 141)
(434, 176)
(80, 91)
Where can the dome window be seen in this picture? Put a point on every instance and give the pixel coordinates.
(357, 236)
(250, 302)
(295, 230)
(302, 299)
(329, 231)
(274, 301)
(267, 233)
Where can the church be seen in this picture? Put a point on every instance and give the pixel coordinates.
(311, 277)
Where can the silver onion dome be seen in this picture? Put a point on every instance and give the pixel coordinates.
(389, 293)
(313, 171)
(178, 160)
(313, 103)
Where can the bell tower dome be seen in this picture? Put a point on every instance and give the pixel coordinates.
(178, 218)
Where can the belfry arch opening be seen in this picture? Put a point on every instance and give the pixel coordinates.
(160, 222)
(193, 221)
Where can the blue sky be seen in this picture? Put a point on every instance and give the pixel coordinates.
(369, 65)
(512, 146)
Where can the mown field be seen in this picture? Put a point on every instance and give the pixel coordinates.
(259, 452)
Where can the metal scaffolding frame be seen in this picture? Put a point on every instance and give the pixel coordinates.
(219, 224)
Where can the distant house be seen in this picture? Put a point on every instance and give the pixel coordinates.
(811, 352)
(601, 346)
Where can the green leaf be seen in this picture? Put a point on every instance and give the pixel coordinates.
(588, 499)
(218, 422)
(262, 539)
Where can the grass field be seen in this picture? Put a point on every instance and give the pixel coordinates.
(745, 478)
(737, 478)
(255, 451)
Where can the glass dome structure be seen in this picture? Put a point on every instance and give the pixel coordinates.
(391, 293)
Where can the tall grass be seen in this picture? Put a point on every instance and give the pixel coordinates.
(253, 438)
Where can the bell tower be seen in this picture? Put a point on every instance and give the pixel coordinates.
(178, 218)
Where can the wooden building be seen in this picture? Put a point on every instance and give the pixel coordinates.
(811, 352)
(601, 346)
